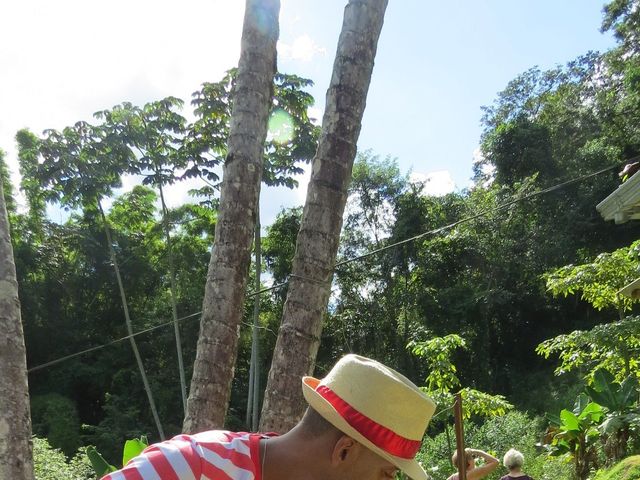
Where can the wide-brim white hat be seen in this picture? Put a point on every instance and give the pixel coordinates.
(376, 406)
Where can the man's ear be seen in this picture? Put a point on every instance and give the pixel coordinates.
(344, 450)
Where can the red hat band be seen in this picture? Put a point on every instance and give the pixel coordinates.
(379, 435)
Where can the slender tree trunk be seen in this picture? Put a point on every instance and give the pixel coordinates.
(16, 460)
(317, 244)
(125, 308)
(174, 307)
(255, 338)
(230, 259)
(248, 416)
(253, 396)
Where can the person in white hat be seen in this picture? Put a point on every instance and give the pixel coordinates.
(365, 421)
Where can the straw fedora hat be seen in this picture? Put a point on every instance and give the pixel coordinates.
(375, 406)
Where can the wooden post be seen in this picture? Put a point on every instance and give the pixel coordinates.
(462, 460)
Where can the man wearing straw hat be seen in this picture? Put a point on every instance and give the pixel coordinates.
(365, 421)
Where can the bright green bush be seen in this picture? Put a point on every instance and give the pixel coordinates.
(496, 436)
(51, 464)
(627, 469)
(544, 467)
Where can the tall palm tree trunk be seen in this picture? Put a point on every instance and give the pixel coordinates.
(224, 295)
(317, 243)
(16, 460)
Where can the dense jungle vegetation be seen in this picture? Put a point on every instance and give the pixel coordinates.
(517, 305)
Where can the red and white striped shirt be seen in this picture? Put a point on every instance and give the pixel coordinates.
(212, 455)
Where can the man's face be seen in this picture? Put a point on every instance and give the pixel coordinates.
(366, 465)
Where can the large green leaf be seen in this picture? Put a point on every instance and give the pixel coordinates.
(614, 396)
(569, 420)
(553, 418)
(611, 424)
(605, 391)
(603, 379)
(592, 412)
(628, 391)
(133, 448)
(98, 463)
(600, 397)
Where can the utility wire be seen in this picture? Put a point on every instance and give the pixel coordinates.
(360, 257)
(484, 213)
(98, 347)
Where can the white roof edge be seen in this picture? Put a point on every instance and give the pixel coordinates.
(632, 290)
(625, 196)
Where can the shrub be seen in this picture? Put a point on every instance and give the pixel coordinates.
(55, 417)
(496, 436)
(627, 469)
(51, 464)
(544, 467)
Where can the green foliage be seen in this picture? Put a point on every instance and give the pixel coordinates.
(520, 431)
(132, 448)
(520, 149)
(496, 435)
(81, 164)
(576, 434)
(599, 281)
(622, 414)
(279, 245)
(205, 143)
(28, 154)
(627, 469)
(154, 135)
(612, 346)
(99, 464)
(55, 417)
(437, 353)
(375, 183)
(482, 279)
(51, 464)
(623, 18)
(7, 186)
(616, 397)
(442, 378)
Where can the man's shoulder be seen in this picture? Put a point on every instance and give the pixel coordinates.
(237, 441)
(217, 435)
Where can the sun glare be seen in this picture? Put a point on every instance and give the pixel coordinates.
(280, 126)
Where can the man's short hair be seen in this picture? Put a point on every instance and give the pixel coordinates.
(513, 459)
(315, 424)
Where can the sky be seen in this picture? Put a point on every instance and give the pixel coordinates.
(437, 64)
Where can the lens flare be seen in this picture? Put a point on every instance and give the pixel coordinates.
(280, 126)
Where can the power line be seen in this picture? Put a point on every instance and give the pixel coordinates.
(358, 257)
(483, 213)
(98, 347)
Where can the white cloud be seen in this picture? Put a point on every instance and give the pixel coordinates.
(303, 183)
(488, 170)
(436, 183)
(477, 156)
(274, 199)
(303, 48)
(62, 61)
(178, 193)
(315, 114)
